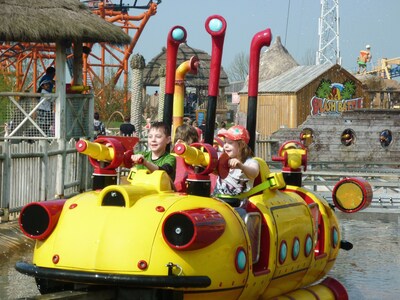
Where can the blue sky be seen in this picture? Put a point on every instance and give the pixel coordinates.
(363, 22)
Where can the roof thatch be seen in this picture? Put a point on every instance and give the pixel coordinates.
(275, 61)
(53, 21)
(185, 52)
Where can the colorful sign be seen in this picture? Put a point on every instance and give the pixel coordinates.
(334, 98)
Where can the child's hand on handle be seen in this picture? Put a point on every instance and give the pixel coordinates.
(137, 159)
(234, 163)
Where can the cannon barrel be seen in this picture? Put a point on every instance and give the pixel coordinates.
(198, 154)
(96, 151)
(108, 153)
(192, 155)
(38, 219)
(193, 229)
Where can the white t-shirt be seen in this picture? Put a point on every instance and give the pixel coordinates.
(236, 182)
(46, 104)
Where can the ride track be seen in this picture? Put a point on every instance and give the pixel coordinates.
(28, 61)
(148, 240)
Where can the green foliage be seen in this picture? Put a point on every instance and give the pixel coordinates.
(5, 86)
(349, 89)
(324, 89)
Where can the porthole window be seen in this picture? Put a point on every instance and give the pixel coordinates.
(385, 138)
(296, 248)
(348, 137)
(307, 136)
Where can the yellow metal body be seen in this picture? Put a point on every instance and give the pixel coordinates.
(93, 236)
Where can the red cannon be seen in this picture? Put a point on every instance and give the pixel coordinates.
(106, 154)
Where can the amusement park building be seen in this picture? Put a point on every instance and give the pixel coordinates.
(286, 101)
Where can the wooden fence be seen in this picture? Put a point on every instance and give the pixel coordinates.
(40, 171)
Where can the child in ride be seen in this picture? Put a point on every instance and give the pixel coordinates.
(186, 134)
(158, 157)
(243, 169)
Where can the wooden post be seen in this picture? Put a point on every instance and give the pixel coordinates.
(44, 170)
(78, 63)
(60, 116)
(6, 188)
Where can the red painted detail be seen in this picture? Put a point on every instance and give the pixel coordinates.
(216, 54)
(181, 175)
(203, 227)
(56, 259)
(238, 250)
(172, 51)
(366, 191)
(38, 219)
(262, 266)
(117, 160)
(223, 165)
(262, 38)
(122, 147)
(184, 169)
(185, 152)
(336, 287)
(81, 146)
(180, 149)
(72, 206)
(160, 209)
(142, 265)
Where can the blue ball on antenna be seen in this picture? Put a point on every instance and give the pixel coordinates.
(215, 25)
(178, 34)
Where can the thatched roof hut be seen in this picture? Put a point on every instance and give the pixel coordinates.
(275, 61)
(185, 52)
(55, 21)
(61, 22)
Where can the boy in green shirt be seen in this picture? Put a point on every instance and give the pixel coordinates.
(157, 158)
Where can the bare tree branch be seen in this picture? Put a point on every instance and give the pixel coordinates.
(239, 68)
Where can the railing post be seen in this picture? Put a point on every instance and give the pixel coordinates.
(60, 181)
(44, 170)
(60, 120)
(6, 188)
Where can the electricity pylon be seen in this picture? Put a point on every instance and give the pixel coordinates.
(328, 31)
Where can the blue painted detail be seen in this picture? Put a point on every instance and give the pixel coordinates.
(215, 25)
(335, 237)
(283, 252)
(178, 34)
(308, 245)
(296, 248)
(241, 260)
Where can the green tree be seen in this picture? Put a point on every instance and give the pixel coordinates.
(6, 82)
(324, 89)
(348, 90)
